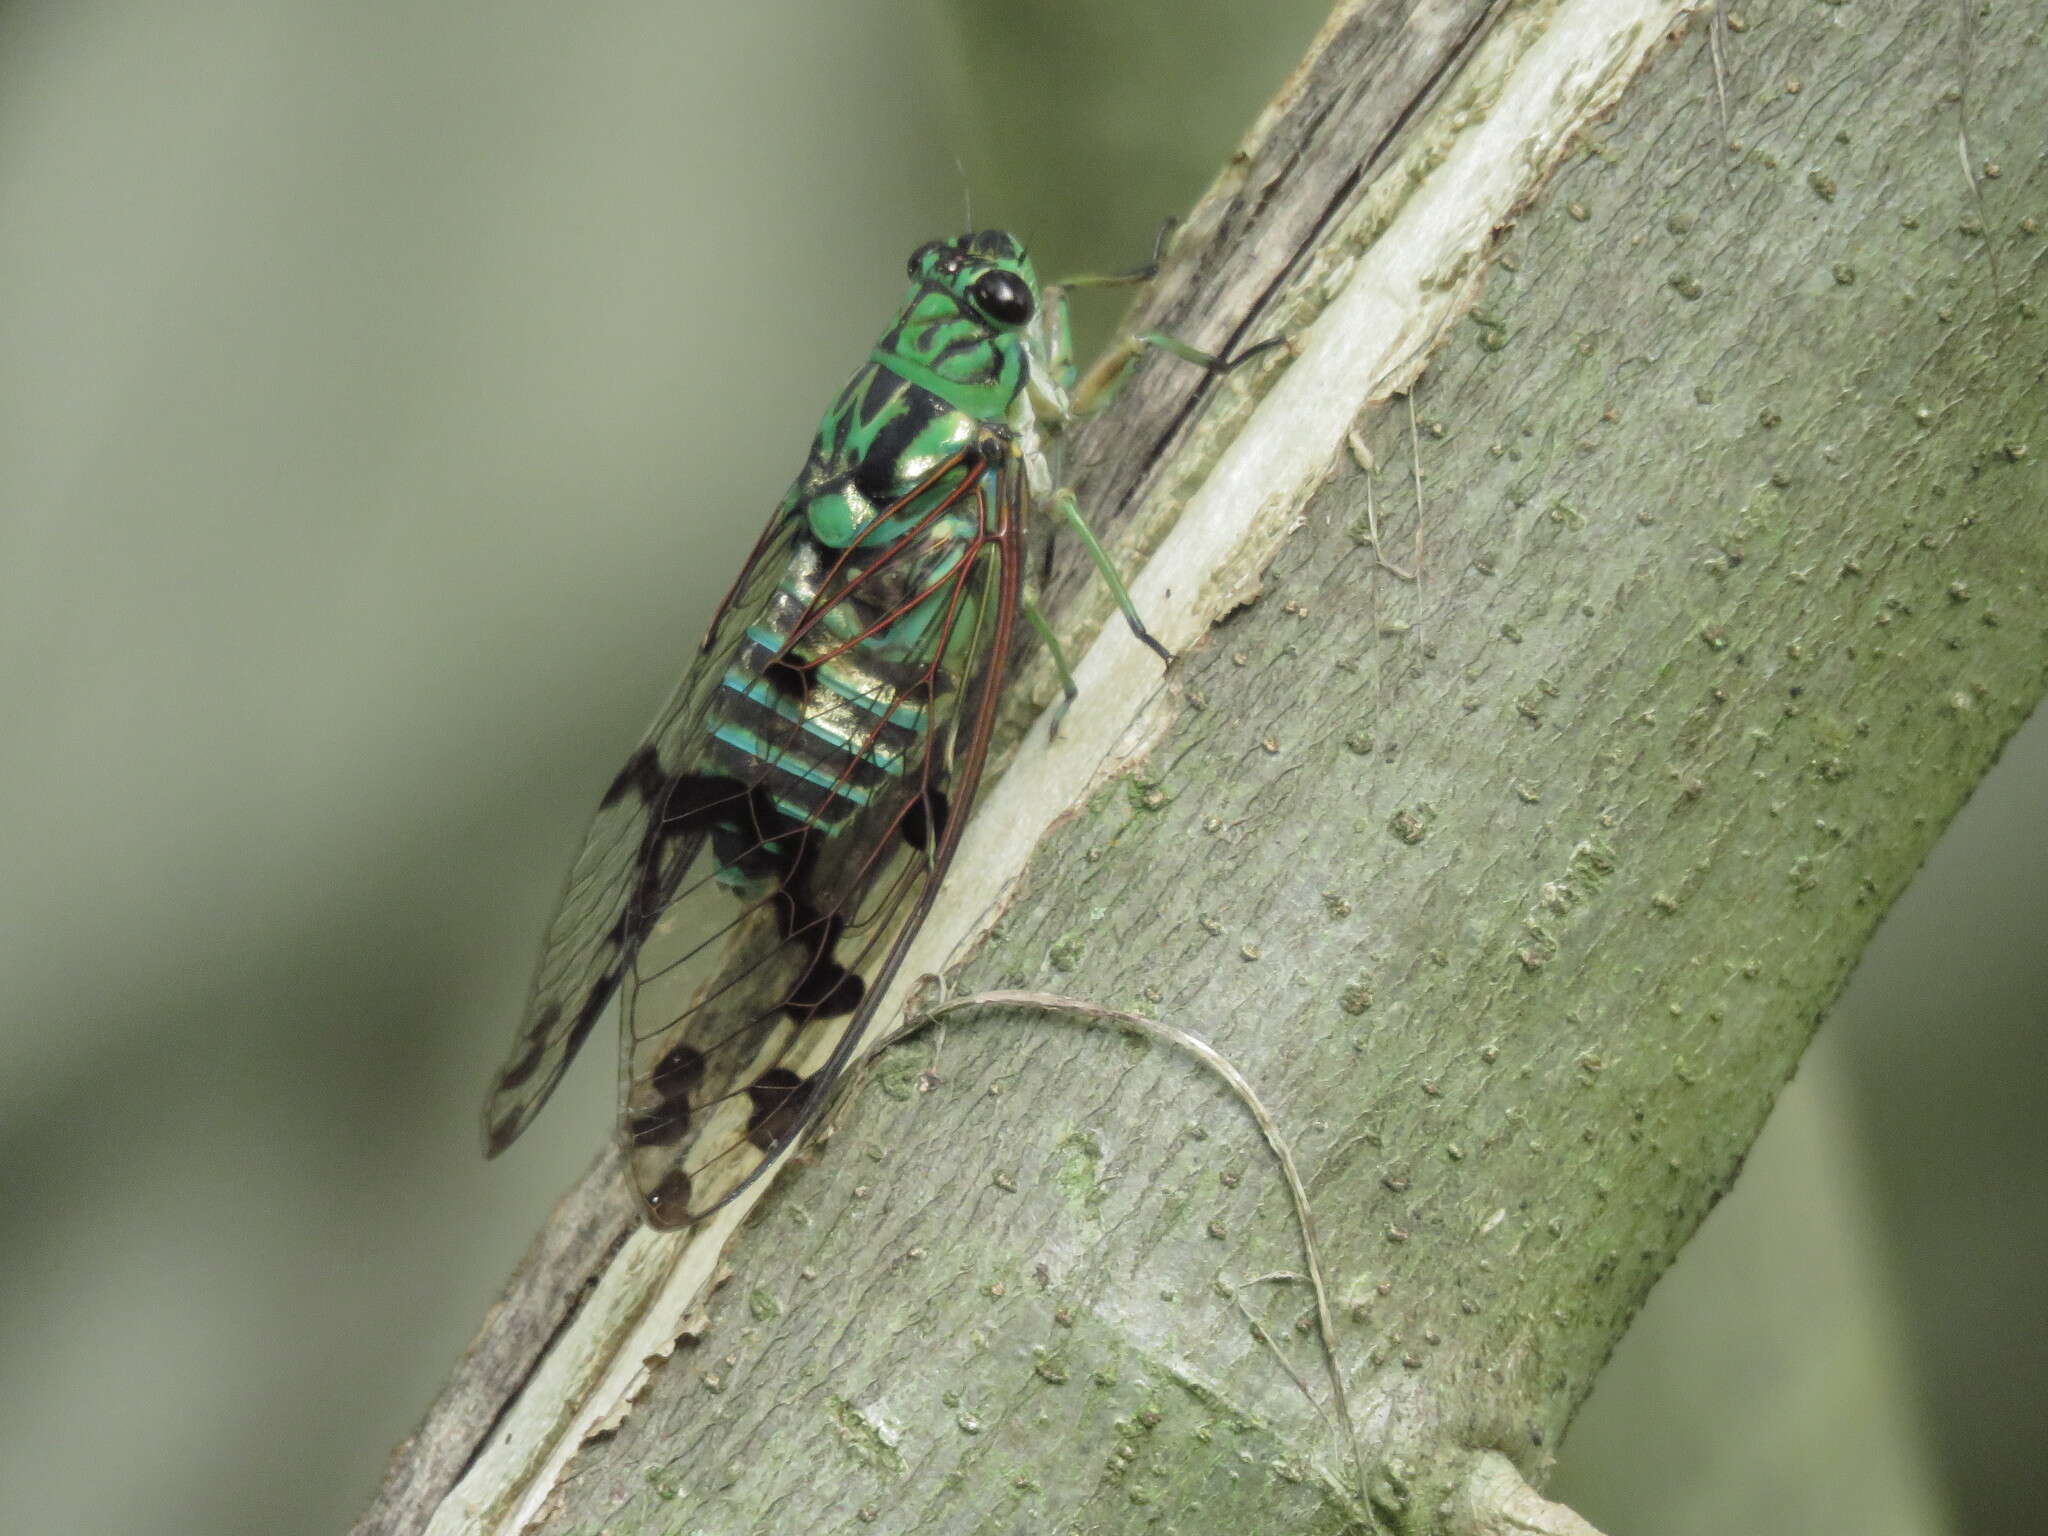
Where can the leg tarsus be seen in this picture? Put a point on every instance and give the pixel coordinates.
(1110, 371)
(1236, 360)
(1149, 640)
(1161, 243)
(1070, 509)
(1214, 362)
(1069, 689)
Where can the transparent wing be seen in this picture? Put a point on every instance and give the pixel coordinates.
(615, 889)
(750, 943)
(736, 1022)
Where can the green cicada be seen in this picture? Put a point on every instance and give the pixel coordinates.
(756, 871)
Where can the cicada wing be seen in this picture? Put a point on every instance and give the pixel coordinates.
(649, 830)
(736, 1028)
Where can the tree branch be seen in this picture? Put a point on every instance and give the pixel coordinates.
(1517, 890)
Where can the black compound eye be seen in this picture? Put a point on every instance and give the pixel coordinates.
(1003, 297)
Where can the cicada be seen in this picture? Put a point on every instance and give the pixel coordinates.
(759, 866)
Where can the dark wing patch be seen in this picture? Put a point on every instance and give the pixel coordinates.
(779, 1100)
(924, 824)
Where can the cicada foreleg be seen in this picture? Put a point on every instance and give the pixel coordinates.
(1161, 244)
(1109, 372)
(1107, 375)
(1091, 395)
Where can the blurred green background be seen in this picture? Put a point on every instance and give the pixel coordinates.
(386, 392)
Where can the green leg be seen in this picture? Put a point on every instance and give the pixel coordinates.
(1069, 691)
(1215, 362)
(1109, 372)
(1136, 275)
(1070, 509)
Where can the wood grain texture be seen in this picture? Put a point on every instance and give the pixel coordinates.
(1340, 119)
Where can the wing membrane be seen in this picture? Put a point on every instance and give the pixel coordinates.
(737, 1015)
(613, 890)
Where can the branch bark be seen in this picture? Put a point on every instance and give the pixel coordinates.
(1516, 889)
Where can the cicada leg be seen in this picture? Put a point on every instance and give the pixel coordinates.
(1069, 507)
(1107, 374)
(1069, 689)
(1094, 393)
(1161, 244)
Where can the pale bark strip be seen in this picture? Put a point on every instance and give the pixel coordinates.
(545, 1295)
(1707, 664)
(1518, 929)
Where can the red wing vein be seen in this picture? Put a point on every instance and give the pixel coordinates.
(846, 908)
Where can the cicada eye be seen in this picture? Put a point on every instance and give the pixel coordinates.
(1002, 296)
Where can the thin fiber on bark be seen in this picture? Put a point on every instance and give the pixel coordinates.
(1515, 888)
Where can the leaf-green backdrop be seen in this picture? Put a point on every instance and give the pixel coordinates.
(386, 393)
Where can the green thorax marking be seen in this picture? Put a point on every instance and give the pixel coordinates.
(964, 329)
(954, 356)
(959, 357)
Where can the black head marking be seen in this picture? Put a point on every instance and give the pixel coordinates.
(996, 244)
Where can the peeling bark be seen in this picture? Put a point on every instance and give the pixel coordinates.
(1494, 1501)
(1516, 889)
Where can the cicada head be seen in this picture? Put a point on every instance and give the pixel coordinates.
(986, 277)
(971, 328)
